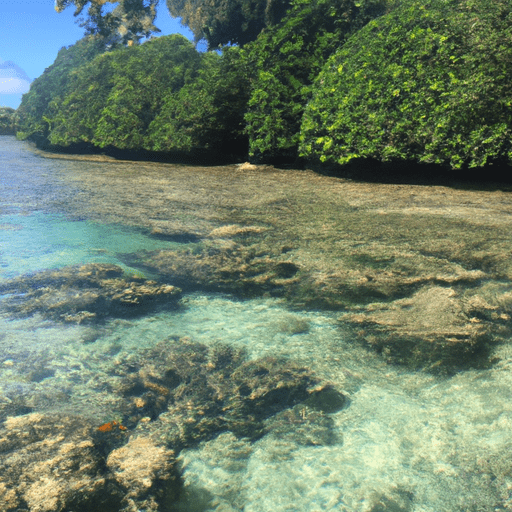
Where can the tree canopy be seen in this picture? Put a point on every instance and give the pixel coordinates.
(332, 81)
(128, 21)
(220, 22)
(428, 82)
(113, 99)
(54, 83)
(7, 121)
(161, 96)
(286, 60)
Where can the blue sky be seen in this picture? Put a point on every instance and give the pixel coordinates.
(32, 33)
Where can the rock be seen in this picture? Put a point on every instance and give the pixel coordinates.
(85, 293)
(232, 230)
(147, 473)
(173, 396)
(49, 463)
(237, 268)
(195, 392)
(437, 328)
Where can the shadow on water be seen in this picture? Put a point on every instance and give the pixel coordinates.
(496, 176)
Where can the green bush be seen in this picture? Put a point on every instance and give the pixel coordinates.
(428, 82)
(7, 120)
(207, 113)
(51, 86)
(286, 59)
(113, 99)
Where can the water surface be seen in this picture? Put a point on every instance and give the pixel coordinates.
(407, 440)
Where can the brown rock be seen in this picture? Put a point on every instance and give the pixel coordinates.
(50, 464)
(435, 328)
(85, 293)
(147, 472)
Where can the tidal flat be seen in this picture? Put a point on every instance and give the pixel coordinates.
(247, 338)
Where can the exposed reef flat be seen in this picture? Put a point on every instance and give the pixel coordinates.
(368, 249)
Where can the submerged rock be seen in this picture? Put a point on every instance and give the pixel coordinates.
(85, 293)
(53, 463)
(438, 328)
(222, 265)
(49, 463)
(173, 396)
(195, 393)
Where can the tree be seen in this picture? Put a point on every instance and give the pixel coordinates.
(7, 120)
(429, 82)
(221, 22)
(286, 59)
(53, 85)
(207, 114)
(113, 99)
(128, 22)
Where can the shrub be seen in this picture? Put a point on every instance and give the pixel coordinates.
(428, 82)
(286, 59)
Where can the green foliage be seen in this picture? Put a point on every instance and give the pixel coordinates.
(53, 84)
(220, 22)
(128, 22)
(7, 120)
(207, 113)
(287, 58)
(114, 98)
(428, 82)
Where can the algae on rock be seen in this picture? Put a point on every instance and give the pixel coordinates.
(85, 293)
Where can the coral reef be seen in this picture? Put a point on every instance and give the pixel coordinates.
(247, 270)
(437, 328)
(85, 293)
(196, 393)
(174, 396)
(319, 242)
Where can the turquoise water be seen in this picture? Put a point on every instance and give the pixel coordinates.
(407, 441)
(38, 241)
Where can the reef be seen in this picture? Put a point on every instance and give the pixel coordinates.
(326, 242)
(88, 293)
(173, 396)
(438, 328)
(247, 270)
(52, 463)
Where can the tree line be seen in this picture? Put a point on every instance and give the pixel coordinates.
(328, 81)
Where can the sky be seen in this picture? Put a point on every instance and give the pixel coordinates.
(32, 33)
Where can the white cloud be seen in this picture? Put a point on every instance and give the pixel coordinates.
(13, 80)
(13, 85)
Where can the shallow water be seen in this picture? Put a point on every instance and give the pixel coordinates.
(407, 441)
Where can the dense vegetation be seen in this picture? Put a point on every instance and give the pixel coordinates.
(346, 79)
(429, 82)
(128, 99)
(286, 59)
(112, 100)
(48, 89)
(7, 121)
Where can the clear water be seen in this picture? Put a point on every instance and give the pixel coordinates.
(407, 442)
